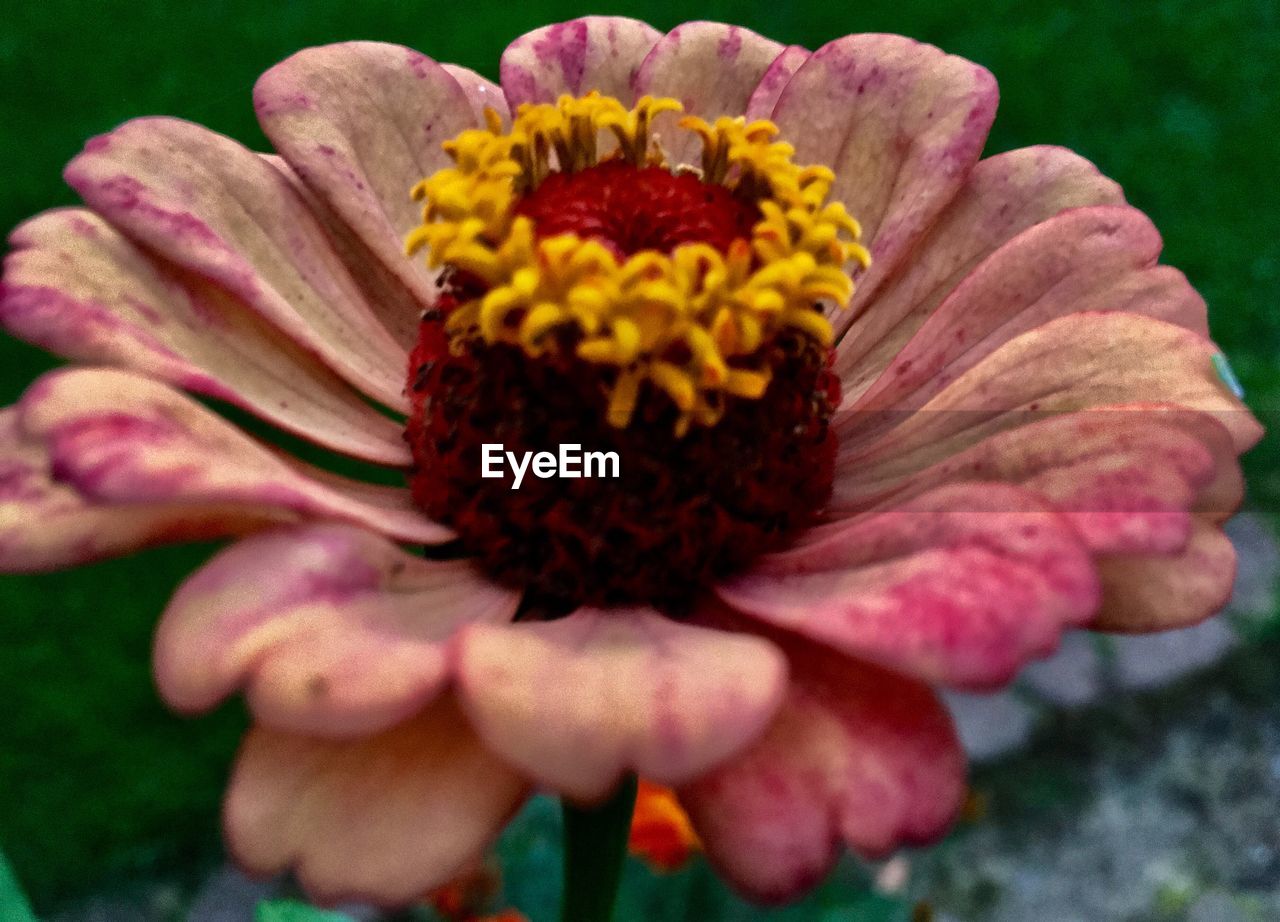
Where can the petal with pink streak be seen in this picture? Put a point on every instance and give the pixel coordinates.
(960, 586)
(75, 286)
(1127, 477)
(117, 438)
(214, 208)
(577, 702)
(481, 92)
(383, 819)
(774, 80)
(1159, 592)
(398, 306)
(1003, 196)
(856, 755)
(575, 57)
(360, 123)
(45, 525)
(333, 630)
(1076, 362)
(1086, 259)
(900, 122)
(712, 69)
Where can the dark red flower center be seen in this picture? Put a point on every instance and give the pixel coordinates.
(630, 209)
(683, 509)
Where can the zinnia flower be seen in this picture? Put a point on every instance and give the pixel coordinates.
(859, 459)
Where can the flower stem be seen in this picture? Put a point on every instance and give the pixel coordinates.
(595, 843)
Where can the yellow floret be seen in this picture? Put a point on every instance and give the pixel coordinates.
(694, 323)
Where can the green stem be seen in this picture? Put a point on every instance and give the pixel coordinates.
(595, 843)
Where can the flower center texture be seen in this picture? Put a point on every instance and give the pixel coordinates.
(599, 303)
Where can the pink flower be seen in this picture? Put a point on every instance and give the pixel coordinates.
(1032, 438)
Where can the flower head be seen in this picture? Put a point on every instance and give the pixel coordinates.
(861, 459)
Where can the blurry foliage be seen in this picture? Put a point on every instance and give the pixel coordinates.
(1175, 99)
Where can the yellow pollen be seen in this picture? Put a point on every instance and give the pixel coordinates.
(695, 323)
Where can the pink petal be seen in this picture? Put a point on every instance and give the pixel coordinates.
(712, 69)
(73, 285)
(775, 79)
(856, 755)
(576, 702)
(383, 819)
(118, 438)
(960, 586)
(1076, 362)
(481, 92)
(361, 123)
(1003, 197)
(1159, 592)
(47, 526)
(211, 207)
(575, 57)
(1086, 259)
(332, 630)
(901, 123)
(1127, 477)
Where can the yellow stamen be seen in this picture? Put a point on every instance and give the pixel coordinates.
(695, 323)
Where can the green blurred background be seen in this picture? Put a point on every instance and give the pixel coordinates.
(1177, 100)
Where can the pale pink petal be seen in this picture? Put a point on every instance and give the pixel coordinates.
(1144, 593)
(214, 208)
(481, 92)
(332, 630)
(901, 123)
(960, 586)
(711, 69)
(1127, 477)
(856, 756)
(1002, 197)
(1076, 362)
(45, 525)
(577, 702)
(774, 80)
(575, 57)
(399, 308)
(360, 123)
(383, 819)
(1086, 259)
(73, 285)
(118, 438)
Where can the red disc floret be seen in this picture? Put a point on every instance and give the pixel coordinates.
(630, 209)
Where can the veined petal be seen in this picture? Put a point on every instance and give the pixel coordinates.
(576, 702)
(960, 586)
(481, 92)
(856, 755)
(361, 123)
(774, 80)
(332, 630)
(75, 286)
(1087, 259)
(575, 57)
(1159, 592)
(384, 818)
(901, 124)
(711, 68)
(118, 438)
(1076, 362)
(1003, 196)
(214, 208)
(45, 525)
(1128, 477)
